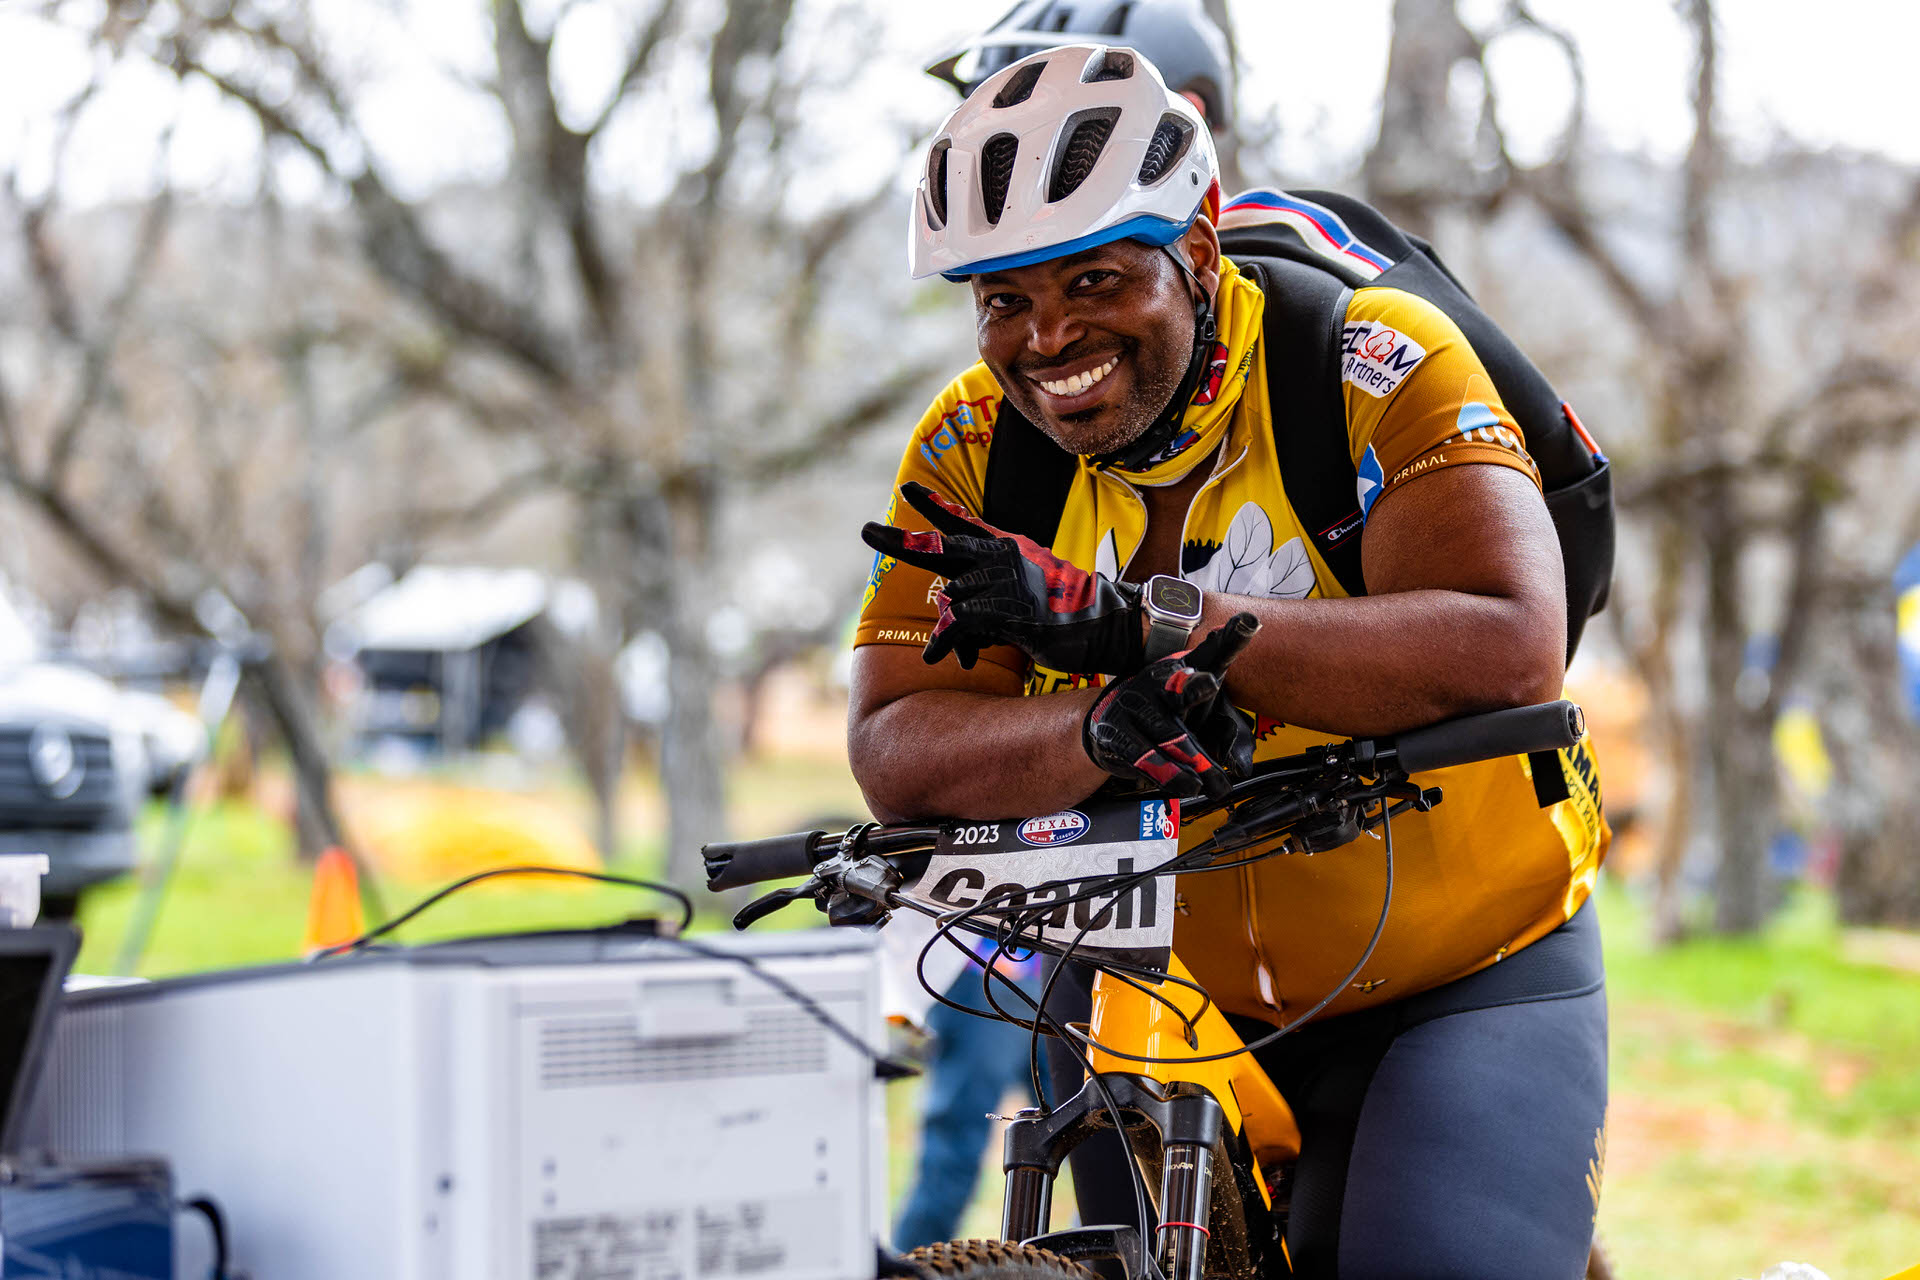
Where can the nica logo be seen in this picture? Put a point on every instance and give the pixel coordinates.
(1159, 820)
(1055, 828)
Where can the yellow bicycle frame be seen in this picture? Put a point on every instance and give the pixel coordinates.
(1127, 1018)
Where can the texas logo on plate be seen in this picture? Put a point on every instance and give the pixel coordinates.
(1056, 828)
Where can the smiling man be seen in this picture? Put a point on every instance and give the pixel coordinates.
(1165, 618)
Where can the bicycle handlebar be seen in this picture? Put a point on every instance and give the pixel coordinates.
(1515, 731)
(743, 862)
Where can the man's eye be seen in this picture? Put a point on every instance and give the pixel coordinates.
(1002, 301)
(1092, 279)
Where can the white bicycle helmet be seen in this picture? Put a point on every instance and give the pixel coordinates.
(1061, 151)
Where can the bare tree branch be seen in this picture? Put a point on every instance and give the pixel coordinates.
(639, 60)
(555, 158)
(489, 506)
(1552, 191)
(1521, 16)
(1705, 157)
(876, 406)
(395, 240)
(96, 369)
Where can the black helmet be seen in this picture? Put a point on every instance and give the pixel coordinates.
(1176, 36)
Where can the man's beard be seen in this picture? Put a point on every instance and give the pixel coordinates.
(1115, 426)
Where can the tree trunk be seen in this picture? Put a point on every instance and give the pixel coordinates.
(316, 820)
(1875, 747)
(692, 760)
(580, 671)
(1676, 823)
(1416, 163)
(1227, 144)
(1739, 731)
(1649, 648)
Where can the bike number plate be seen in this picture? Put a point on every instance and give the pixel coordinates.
(1017, 866)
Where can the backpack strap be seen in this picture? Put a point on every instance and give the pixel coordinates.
(1028, 477)
(1306, 310)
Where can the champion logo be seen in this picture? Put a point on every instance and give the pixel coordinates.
(1055, 828)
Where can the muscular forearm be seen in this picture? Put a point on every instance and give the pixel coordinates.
(1386, 663)
(955, 753)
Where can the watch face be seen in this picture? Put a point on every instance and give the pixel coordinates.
(1173, 597)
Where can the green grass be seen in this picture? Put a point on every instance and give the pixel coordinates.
(1766, 1102)
(1766, 1091)
(239, 896)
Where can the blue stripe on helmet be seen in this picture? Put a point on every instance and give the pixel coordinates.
(1147, 228)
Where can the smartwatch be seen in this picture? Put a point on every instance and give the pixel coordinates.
(1172, 606)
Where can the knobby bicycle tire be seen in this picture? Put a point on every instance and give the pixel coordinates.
(996, 1260)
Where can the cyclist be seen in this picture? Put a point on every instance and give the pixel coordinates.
(1452, 1102)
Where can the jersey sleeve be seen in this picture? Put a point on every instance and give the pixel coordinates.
(1417, 397)
(948, 454)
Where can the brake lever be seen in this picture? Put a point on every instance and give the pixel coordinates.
(766, 905)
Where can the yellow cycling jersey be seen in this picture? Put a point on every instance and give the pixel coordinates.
(1501, 861)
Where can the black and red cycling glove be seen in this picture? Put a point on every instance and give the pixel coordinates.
(1170, 724)
(1003, 588)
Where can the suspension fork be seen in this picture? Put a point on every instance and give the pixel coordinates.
(1188, 1121)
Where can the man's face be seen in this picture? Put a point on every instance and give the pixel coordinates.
(1092, 346)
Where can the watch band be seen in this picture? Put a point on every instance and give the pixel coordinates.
(1165, 636)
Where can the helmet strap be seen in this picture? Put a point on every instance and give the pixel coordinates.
(1134, 456)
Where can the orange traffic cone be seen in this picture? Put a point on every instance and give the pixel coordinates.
(333, 913)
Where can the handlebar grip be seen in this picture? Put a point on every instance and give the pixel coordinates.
(1512, 732)
(730, 865)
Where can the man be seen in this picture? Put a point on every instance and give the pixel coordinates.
(1451, 1101)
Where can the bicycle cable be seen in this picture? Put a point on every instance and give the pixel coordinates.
(1386, 903)
(1148, 1267)
(954, 919)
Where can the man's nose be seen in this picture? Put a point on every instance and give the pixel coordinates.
(1052, 328)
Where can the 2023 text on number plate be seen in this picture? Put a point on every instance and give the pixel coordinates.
(1019, 865)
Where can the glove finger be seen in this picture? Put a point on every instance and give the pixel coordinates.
(1167, 776)
(1228, 737)
(988, 582)
(1187, 752)
(950, 635)
(944, 514)
(930, 551)
(1223, 644)
(1189, 688)
(942, 643)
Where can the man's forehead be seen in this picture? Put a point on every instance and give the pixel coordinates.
(1071, 262)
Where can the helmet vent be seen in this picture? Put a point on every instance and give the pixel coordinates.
(1020, 88)
(1165, 149)
(996, 172)
(1116, 24)
(1114, 64)
(937, 179)
(1086, 133)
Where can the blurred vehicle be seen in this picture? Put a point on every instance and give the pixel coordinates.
(77, 758)
(445, 657)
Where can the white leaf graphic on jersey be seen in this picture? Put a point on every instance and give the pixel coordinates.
(1106, 560)
(1247, 565)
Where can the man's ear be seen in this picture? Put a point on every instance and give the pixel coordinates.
(1201, 245)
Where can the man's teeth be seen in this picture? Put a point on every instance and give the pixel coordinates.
(1080, 381)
